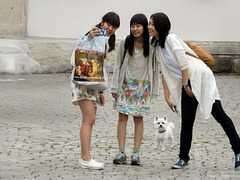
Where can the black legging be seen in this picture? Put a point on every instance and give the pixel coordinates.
(189, 108)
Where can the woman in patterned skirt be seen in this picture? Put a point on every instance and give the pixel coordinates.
(131, 85)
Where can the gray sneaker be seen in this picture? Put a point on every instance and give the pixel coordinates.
(121, 158)
(135, 159)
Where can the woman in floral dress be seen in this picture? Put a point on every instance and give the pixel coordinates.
(131, 85)
(89, 99)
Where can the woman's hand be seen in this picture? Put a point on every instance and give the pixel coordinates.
(102, 99)
(185, 82)
(172, 106)
(189, 91)
(94, 32)
(114, 95)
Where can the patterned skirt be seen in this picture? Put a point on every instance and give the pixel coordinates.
(80, 92)
(134, 98)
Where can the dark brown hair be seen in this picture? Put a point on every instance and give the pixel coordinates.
(113, 19)
(162, 25)
(139, 19)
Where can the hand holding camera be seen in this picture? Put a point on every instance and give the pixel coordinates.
(96, 32)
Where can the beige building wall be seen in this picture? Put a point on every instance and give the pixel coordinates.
(201, 20)
(25, 47)
(215, 20)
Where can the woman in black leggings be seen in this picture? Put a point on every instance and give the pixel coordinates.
(189, 107)
(191, 84)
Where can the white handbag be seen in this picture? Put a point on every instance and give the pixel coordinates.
(90, 67)
(98, 86)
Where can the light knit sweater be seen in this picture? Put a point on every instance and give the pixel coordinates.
(120, 71)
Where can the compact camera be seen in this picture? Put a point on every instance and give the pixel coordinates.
(103, 32)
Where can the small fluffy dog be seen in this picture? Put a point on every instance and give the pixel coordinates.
(164, 132)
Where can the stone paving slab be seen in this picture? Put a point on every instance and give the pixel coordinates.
(39, 135)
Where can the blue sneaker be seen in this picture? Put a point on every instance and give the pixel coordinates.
(121, 158)
(237, 161)
(180, 165)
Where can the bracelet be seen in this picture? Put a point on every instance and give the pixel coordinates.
(184, 86)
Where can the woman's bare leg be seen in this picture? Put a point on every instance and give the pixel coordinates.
(122, 124)
(138, 133)
(88, 118)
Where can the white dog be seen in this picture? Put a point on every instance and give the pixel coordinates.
(164, 132)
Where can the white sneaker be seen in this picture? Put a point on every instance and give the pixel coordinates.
(92, 164)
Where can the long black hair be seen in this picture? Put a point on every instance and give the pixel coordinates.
(139, 19)
(113, 19)
(162, 25)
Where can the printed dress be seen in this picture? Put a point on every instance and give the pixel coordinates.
(80, 92)
(134, 97)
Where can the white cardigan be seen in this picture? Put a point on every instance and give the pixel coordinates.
(120, 71)
(202, 80)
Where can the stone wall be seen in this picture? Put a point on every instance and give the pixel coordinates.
(48, 52)
(226, 55)
(12, 19)
(53, 55)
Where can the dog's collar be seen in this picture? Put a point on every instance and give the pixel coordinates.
(162, 131)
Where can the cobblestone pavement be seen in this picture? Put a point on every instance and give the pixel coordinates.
(39, 135)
